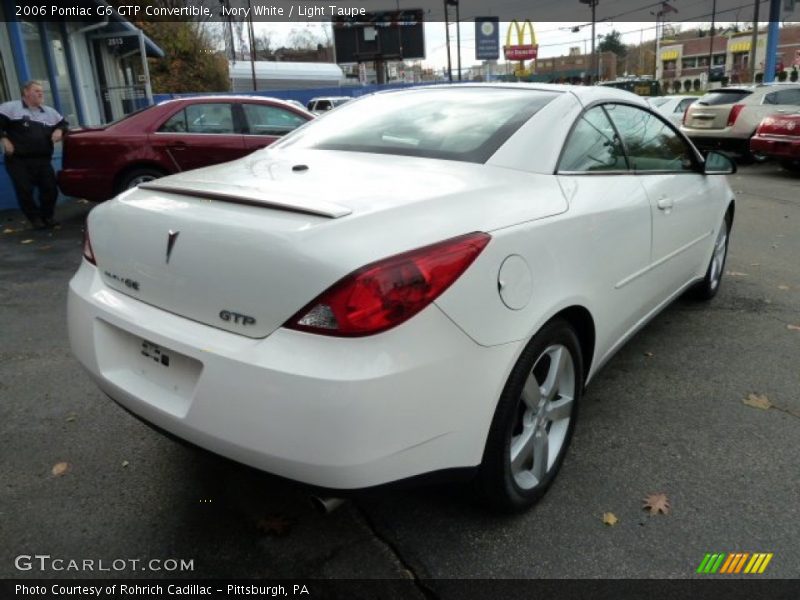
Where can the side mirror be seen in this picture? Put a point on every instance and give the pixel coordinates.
(718, 163)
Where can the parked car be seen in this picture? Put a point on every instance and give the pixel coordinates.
(672, 107)
(170, 137)
(423, 281)
(726, 118)
(778, 136)
(323, 105)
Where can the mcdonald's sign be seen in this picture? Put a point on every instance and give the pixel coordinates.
(521, 50)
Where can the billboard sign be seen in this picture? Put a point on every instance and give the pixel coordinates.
(389, 35)
(487, 38)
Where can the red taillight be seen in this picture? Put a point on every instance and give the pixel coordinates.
(88, 253)
(685, 113)
(386, 293)
(735, 110)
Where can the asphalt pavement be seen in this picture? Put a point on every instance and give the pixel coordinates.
(666, 415)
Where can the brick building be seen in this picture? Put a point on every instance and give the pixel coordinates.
(685, 57)
(574, 67)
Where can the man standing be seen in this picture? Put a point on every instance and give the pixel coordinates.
(28, 130)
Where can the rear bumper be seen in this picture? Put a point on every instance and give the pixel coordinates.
(335, 413)
(716, 142)
(89, 184)
(776, 146)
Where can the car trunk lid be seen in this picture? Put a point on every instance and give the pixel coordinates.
(245, 257)
(713, 110)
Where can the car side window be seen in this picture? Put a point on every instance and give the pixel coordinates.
(789, 97)
(650, 143)
(210, 118)
(270, 120)
(770, 98)
(593, 145)
(323, 105)
(175, 124)
(681, 108)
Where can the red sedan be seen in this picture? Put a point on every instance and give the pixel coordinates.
(778, 136)
(173, 136)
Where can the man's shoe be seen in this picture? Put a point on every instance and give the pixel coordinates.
(38, 224)
(49, 223)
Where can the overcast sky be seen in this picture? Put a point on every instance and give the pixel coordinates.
(554, 39)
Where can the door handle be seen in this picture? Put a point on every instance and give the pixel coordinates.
(665, 203)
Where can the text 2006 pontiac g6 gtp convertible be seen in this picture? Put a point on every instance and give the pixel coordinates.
(419, 281)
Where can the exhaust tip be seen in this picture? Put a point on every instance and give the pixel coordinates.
(325, 505)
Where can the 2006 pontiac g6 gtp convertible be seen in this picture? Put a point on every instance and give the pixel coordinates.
(417, 282)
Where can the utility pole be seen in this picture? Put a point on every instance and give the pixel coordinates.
(593, 4)
(458, 36)
(251, 35)
(754, 42)
(447, 39)
(711, 43)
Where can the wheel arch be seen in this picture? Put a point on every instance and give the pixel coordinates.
(582, 322)
(144, 164)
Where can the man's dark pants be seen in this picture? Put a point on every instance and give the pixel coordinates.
(28, 173)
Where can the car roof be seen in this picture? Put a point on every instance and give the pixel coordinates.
(586, 94)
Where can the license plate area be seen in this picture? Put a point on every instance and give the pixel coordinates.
(152, 373)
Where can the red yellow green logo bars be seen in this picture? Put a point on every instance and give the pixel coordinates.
(735, 562)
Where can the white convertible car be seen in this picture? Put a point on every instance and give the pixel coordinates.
(422, 281)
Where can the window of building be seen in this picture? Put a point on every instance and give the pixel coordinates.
(689, 63)
(719, 59)
(63, 82)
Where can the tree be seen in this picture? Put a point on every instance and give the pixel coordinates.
(612, 43)
(192, 61)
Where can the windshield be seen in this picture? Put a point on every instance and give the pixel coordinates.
(723, 97)
(455, 123)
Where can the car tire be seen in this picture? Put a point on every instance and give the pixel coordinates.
(136, 176)
(534, 420)
(791, 164)
(708, 288)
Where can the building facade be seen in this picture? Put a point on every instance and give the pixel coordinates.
(92, 72)
(683, 60)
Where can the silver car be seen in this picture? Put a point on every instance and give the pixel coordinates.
(726, 118)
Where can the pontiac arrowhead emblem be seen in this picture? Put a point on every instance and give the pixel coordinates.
(173, 236)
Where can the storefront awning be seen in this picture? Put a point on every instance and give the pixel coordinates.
(669, 55)
(740, 46)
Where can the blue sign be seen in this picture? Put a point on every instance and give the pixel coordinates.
(487, 38)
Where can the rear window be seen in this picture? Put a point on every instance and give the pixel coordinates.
(455, 123)
(723, 97)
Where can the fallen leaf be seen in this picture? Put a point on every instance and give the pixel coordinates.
(83, 201)
(758, 401)
(125, 463)
(28, 241)
(656, 503)
(45, 247)
(736, 274)
(755, 264)
(610, 519)
(784, 287)
(793, 327)
(274, 525)
(70, 418)
(649, 354)
(59, 469)
(9, 230)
